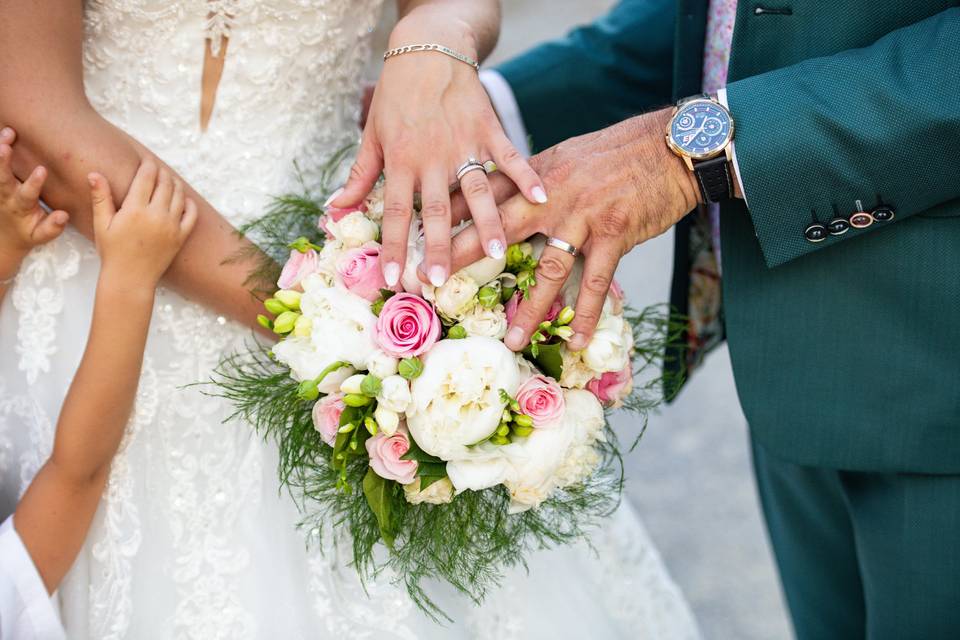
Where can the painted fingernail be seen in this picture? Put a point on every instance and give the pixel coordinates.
(391, 273)
(495, 249)
(514, 339)
(333, 196)
(539, 195)
(578, 342)
(438, 275)
(6, 132)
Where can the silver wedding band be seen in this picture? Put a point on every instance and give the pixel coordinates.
(557, 243)
(472, 164)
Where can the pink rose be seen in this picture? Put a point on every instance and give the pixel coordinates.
(334, 214)
(407, 326)
(299, 266)
(359, 270)
(541, 398)
(514, 303)
(385, 456)
(326, 416)
(613, 387)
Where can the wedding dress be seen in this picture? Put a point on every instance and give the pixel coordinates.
(193, 539)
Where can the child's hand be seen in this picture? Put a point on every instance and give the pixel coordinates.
(138, 242)
(23, 223)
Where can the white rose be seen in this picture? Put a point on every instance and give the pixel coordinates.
(354, 230)
(394, 394)
(575, 373)
(353, 384)
(410, 281)
(343, 327)
(382, 365)
(456, 400)
(374, 204)
(486, 323)
(440, 492)
(387, 420)
(609, 348)
(456, 297)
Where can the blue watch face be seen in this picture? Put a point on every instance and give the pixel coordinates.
(700, 128)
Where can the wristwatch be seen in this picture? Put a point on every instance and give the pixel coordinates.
(700, 131)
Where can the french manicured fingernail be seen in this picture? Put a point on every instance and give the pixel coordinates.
(495, 249)
(333, 196)
(539, 195)
(438, 275)
(578, 342)
(391, 273)
(514, 339)
(6, 132)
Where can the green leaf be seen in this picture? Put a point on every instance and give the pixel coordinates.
(426, 481)
(418, 454)
(548, 358)
(377, 492)
(386, 294)
(431, 469)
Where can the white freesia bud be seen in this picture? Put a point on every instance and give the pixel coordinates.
(387, 420)
(457, 296)
(353, 384)
(332, 381)
(485, 323)
(456, 400)
(394, 394)
(382, 365)
(609, 348)
(354, 230)
(440, 492)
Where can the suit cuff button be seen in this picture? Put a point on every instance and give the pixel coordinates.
(883, 213)
(816, 232)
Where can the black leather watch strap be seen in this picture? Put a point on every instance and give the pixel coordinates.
(713, 176)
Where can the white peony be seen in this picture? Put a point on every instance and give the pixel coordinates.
(533, 468)
(343, 327)
(305, 363)
(610, 347)
(388, 421)
(327, 261)
(394, 394)
(374, 204)
(409, 280)
(456, 400)
(382, 365)
(486, 323)
(354, 230)
(456, 297)
(440, 492)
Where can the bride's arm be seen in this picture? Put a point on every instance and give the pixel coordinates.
(476, 22)
(43, 99)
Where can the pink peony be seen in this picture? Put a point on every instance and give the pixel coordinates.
(612, 388)
(407, 326)
(334, 214)
(541, 398)
(299, 266)
(359, 271)
(326, 416)
(514, 303)
(385, 456)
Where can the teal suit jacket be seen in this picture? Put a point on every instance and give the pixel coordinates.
(846, 353)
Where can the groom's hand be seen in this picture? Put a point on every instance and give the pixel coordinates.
(609, 191)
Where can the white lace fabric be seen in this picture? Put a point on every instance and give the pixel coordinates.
(193, 538)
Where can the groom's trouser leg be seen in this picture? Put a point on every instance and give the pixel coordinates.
(864, 555)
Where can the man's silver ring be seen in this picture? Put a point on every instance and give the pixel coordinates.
(472, 164)
(557, 243)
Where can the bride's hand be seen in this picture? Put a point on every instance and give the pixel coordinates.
(430, 113)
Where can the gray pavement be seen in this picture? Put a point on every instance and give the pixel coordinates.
(690, 478)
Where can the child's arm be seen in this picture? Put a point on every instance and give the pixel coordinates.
(136, 245)
(23, 223)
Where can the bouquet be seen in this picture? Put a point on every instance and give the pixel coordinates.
(403, 420)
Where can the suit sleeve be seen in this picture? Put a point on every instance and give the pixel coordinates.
(598, 75)
(881, 122)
